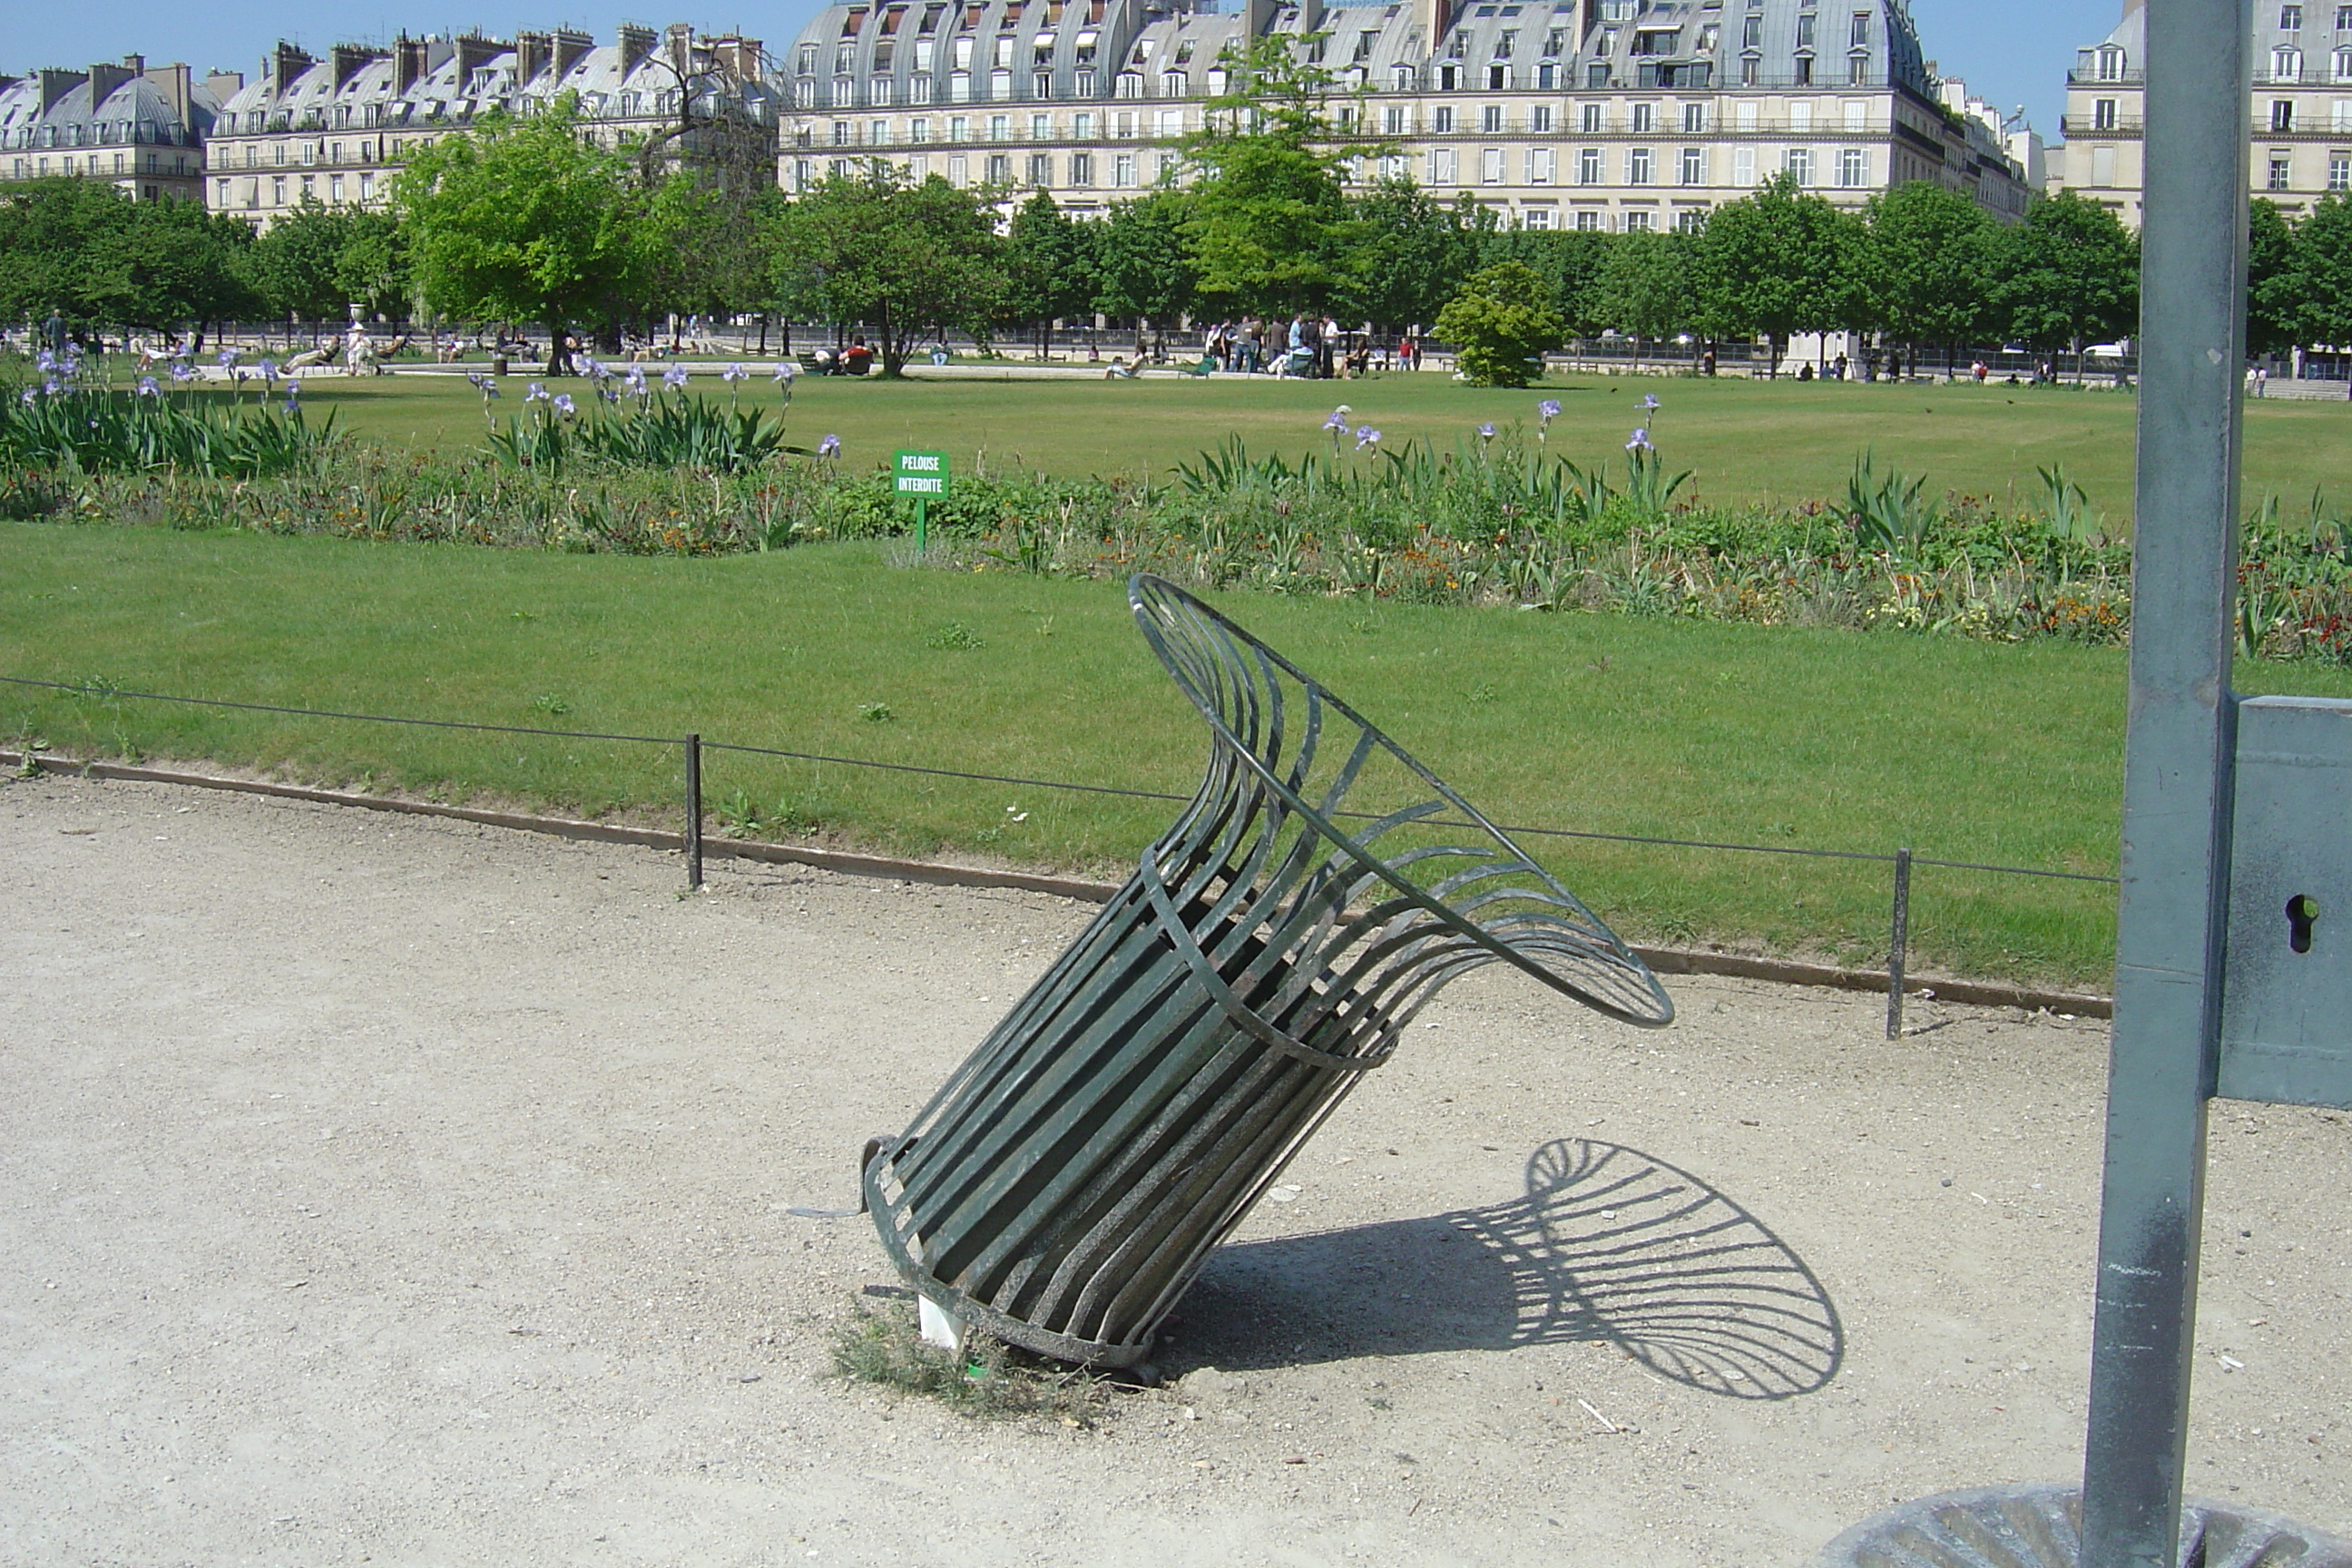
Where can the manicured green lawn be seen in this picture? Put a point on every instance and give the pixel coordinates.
(1962, 751)
(1744, 440)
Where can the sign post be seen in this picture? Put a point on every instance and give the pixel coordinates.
(921, 475)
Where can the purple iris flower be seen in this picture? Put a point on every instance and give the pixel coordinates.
(147, 387)
(674, 377)
(829, 448)
(1650, 403)
(563, 404)
(1641, 442)
(1366, 437)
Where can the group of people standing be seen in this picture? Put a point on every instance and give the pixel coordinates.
(1307, 345)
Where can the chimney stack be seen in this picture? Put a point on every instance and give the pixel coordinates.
(104, 79)
(176, 83)
(410, 62)
(55, 84)
(569, 47)
(534, 52)
(348, 59)
(637, 43)
(474, 52)
(286, 62)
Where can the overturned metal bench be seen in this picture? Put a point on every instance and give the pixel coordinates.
(1069, 1180)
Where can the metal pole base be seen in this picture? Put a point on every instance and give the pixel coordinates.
(2041, 1527)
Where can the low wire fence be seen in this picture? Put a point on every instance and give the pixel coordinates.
(695, 809)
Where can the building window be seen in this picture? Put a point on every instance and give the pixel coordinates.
(1751, 70)
(1597, 74)
(1637, 222)
(1857, 71)
(1804, 73)
(1694, 166)
(1490, 119)
(1171, 124)
(878, 134)
(1547, 80)
(1798, 163)
(2342, 66)
(1441, 166)
(844, 134)
(1540, 164)
(1588, 166)
(335, 188)
(1536, 217)
(1805, 21)
(367, 187)
(1645, 119)
(1637, 165)
(1122, 170)
(2289, 18)
(2103, 114)
(1594, 119)
(1448, 78)
(2281, 114)
(1041, 168)
(1440, 119)
(1752, 32)
(1000, 128)
(1392, 119)
(1693, 119)
(1587, 220)
(1402, 78)
(958, 170)
(2340, 172)
(1854, 168)
(918, 130)
(1490, 166)
(1498, 78)
(277, 191)
(1539, 118)
(1858, 34)
(1082, 170)
(2279, 167)
(1000, 169)
(1690, 220)
(2286, 65)
(2111, 64)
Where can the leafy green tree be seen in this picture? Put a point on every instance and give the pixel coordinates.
(907, 259)
(2321, 276)
(1644, 286)
(373, 267)
(1047, 270)
(2275, 297)
(1268, 219)
(1777, 262)
(1500, 325)
(1569, 260)
(100, 258)
(1415, 253)
(1927, 257)
(296, 263)
(1141, 268)
(2067, 276)
(534, 220)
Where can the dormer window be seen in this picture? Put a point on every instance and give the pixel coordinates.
(2111, 63)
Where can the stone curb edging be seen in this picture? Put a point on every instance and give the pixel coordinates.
(1663, 960)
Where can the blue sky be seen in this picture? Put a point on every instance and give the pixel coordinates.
(2009, 51)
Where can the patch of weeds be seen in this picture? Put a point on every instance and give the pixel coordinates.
(955, 636)
(1484, 693)
(875, 712)
(549, 703)
(989, 1378)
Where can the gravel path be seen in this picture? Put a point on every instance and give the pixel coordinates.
(384, 1189)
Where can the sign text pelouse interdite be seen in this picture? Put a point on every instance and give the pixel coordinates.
(919, 474)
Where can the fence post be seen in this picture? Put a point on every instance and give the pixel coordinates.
(693, 812)
(1902, 939)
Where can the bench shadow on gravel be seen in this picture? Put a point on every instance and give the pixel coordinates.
(1609, 1245)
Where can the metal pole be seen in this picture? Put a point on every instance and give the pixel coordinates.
(1895, 948)
(693, 812)
(2177, 767)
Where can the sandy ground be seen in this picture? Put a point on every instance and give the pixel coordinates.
(378, 1189)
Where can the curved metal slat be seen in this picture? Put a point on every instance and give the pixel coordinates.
(1071, 1177)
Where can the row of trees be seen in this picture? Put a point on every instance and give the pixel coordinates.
(533, 221)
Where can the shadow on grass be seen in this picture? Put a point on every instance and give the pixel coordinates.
(1609, 1245)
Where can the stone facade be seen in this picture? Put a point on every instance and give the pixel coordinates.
(2302, 109)
(1607, 114)
(141, 129)
(334, 130)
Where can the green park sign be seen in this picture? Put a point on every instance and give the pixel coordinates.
(919, 474)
